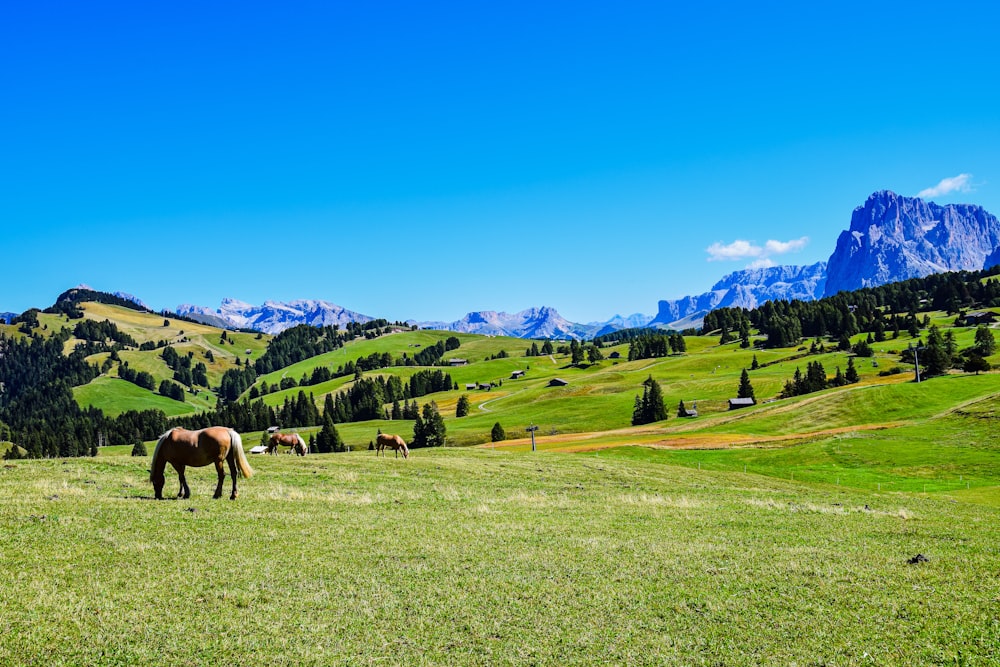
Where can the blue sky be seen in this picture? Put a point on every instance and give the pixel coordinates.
(423, 160)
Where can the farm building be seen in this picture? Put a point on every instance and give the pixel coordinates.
(516, 374)
(458, 362)
(737, 403)
(471, 387)
(558, 382)
(980, 317)
(615, 355)
(689, 412)
(485, 386)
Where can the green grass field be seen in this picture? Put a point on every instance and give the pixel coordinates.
(464, 556)
(778, 534)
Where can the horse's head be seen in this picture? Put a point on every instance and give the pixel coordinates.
(157, 478)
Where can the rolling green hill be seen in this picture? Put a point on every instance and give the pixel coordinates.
(593, 410)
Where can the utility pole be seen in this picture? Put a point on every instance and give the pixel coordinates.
(916, 363)
(531, 429)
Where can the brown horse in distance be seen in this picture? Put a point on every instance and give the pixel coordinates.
(181, 448)
(293, 440)
(393, 441)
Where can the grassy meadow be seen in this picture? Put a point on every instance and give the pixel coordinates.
(777, 534)
(473, 556)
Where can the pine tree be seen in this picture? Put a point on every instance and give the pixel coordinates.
(975, 364)
(638, 416)
(594, 354)
(754, 365)
(745, 389)
(986, 344)
(497, 434)
(428, 428)
(851, 376)
(462, 409)
(649, 408)
(934, 355)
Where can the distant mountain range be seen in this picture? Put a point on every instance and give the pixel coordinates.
(272, 317)
(890, 238)
(744, 289)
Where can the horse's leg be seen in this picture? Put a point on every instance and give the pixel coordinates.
(232, 471)
(184, 491)
(222, 475)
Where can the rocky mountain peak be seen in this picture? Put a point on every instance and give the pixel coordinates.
(892, 237)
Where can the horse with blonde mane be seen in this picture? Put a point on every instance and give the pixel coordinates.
(181, 448)
(292, 440)
(384, 440)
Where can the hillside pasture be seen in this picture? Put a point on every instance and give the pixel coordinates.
(115, 396)
(477, 557)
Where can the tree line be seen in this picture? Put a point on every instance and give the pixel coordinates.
(878, 310)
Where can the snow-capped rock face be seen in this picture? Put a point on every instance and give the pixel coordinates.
(893, 238)
(129, 297)
(274, 316)
(543, 322)
(744, 289)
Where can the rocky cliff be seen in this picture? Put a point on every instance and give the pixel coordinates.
(892, 238)
(273, 316)
(744, 289)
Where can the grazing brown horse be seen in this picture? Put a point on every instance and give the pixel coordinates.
(293, 440)
(180, 448)
(394, 441)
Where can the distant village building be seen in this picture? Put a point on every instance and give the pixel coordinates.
(458, 362)
(980, 317)
(516, 374)
(689, 412)
(737, 403)
(558, 382)
(471, 387)
(485, 385)
(615, 355)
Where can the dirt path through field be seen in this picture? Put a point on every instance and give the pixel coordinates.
(578, 442)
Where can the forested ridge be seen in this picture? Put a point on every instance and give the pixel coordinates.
(38, 372)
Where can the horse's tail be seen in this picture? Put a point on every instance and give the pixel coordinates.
(156, 453)
(241, 459)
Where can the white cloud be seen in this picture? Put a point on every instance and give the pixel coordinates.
(958, 183)
(781, 247)
(740, 249)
